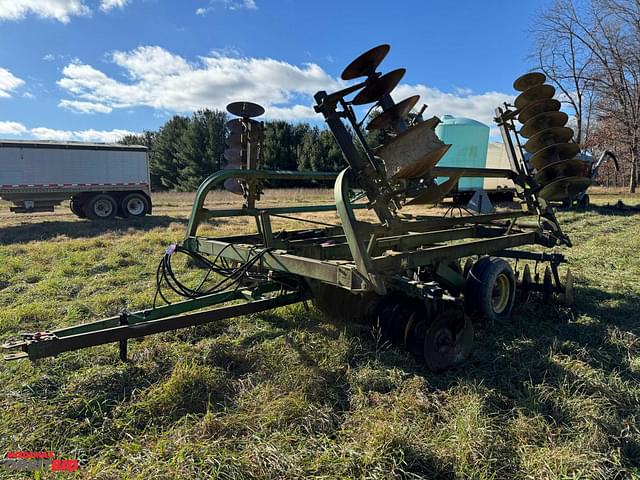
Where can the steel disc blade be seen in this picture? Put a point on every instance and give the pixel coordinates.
(534, 108)
(421, 167)
(533, 94)
(554, 153)
(235, 125)
(529, 80)
(564, 168)
(234, 165)
(366, 64)
(233, 185)
(397, 112)
(232, 154)
(234, 140)
(543, 121)
(448, 341)
(435, 194)
(245, 109)
(568, 295)
(564, 188)
(379, 87)
(547, 137)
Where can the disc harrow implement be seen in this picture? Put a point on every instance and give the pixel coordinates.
(398, 269)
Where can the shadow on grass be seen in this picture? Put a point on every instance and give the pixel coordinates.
(82, 229)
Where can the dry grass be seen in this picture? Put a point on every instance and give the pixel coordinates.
(551, 394)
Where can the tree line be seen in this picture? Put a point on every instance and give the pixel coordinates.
(187, 149)
(590, 50)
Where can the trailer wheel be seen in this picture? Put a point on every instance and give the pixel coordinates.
(101, 207)
(134, 205)
(490, 289)
(76, 207)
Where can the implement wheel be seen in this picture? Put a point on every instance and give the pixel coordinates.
(490, 289)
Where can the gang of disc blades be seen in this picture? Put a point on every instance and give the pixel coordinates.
(564, 188)
(366, 64)
(233, 185)
(543, 121)
(234, 126)
(564, 168)
(422, 166)
(554, 153)
(533, 94)
(398, 111)
(378, 87)
(232, 154)
(534, 108)
(547, 137)
(529, 80)
(434, 194)
(245, 109)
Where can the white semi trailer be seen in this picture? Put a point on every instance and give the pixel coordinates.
(100, 180)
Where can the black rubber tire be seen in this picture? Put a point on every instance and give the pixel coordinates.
(134, 205)
(94, 207)
(77, 207)
(485, 276)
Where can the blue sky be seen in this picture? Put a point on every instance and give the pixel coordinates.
(95, 69)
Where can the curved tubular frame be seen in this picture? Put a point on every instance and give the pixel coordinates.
(356, 243)
(198, 212)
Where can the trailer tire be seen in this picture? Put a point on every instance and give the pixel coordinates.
(101, 207)
(77, 207)
(490, 289)
(134, 205)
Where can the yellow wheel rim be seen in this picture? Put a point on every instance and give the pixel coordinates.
(501, 293)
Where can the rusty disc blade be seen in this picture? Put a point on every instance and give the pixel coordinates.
(398, 111)
(234, 140)
(533, 109)
(435, 194)
(366, 64)
(234, 126)
(533, 94)
(547, 137)
(245, 109)
(554, 153)
(528, 80)
(423, 165)
(448, 340)
(542, 121)
(564, 188)
(233, 185)
(564, 168)
(378, 87)
(232, 154)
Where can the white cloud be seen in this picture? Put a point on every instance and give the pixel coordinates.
(8, 82)
(60, 10)
(12, 128)
(107, 5)
(162, 80)
(101, 136)
(462, 103)
(43, 133)
(229, 5)
(84, 107)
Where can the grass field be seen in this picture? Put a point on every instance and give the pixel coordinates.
(552, 394)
